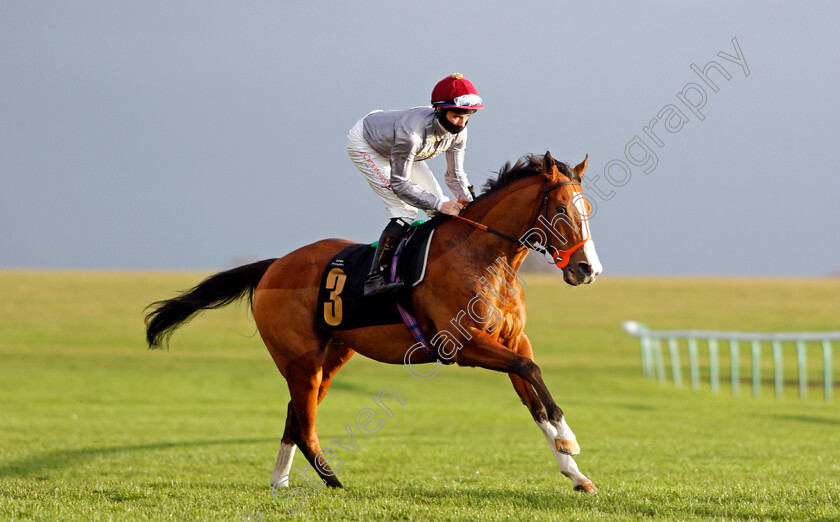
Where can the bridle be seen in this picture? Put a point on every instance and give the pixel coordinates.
(561, 257)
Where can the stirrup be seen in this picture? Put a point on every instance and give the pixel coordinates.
(376, 284)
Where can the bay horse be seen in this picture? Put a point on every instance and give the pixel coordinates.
(536, 204)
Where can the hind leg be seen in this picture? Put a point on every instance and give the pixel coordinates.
(304, 386)
(337, 355)
(286, 455)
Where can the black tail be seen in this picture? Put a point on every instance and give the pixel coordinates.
(214, 292)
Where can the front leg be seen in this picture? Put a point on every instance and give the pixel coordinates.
(550, 429)
(483, 351)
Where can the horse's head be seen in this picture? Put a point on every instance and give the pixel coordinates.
(564, 216)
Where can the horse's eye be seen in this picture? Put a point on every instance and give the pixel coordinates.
(561, 209)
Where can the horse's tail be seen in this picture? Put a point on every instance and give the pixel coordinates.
(214, 292)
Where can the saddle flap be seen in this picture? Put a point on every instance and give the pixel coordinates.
(341, 302)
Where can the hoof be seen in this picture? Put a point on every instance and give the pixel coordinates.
(586, 487)
(567, 447)
(333, 482)
(281, 482)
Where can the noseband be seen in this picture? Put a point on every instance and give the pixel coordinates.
(561, 257)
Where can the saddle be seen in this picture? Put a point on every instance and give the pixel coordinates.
(341, 302)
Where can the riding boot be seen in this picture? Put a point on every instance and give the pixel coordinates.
(377, 280)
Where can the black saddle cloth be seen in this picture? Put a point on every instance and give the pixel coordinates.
(341, 302)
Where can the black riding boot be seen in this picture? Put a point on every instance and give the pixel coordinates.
(377, 280)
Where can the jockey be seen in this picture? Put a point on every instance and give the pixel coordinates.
(390, 147)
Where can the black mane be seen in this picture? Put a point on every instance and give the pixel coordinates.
(529, 165)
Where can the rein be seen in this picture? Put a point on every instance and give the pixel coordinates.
(561, 257)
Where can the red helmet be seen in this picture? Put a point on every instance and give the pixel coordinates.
(455, 91)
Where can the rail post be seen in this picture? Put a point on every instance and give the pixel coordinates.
(734, 366)
(714, 365)
(802, 362)
(676, 371)
(756, 367)
(777, 368)
(827, 384)
(694, 362)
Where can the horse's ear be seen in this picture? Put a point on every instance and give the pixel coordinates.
(580, 169)
(548, 165)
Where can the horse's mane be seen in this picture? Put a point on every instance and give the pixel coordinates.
(529, 165)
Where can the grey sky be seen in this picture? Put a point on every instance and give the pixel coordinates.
(197, 135)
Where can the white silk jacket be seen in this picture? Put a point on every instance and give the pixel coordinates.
(406, 136)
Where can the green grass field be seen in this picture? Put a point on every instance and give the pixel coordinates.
(93, 426)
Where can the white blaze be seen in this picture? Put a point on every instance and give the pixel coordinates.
(589, 247)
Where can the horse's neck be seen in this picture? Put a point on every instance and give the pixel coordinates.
(510, 211)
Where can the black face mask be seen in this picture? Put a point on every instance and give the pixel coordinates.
(446, 124)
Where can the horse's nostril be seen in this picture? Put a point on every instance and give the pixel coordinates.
(585, 269)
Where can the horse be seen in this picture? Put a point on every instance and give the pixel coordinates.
(535, 204)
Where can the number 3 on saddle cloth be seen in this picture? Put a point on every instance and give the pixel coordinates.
(341, 303)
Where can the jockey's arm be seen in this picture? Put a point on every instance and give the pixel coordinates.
(413, 194)
(456, 178)
(402, 160)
